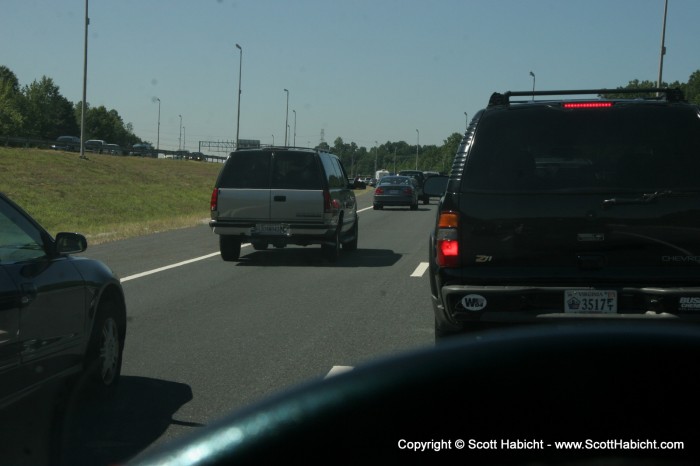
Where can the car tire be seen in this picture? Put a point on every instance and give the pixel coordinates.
(103, 359)
(332, 251)
(426, 200)
(230, 248)
(352, 244)
(414, 206)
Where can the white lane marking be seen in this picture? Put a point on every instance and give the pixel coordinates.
(420, 270)
(180, 264)
(338, 370)
(172, 266)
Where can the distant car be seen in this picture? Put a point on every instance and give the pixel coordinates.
(112, 149)
(197, 156)
(145, 150)
(60, 316)
(94, 145)
(396, 191)
(359, 183)
(420, 179)
(68, 143)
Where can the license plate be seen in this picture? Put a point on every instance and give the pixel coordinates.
(590, 301)
(272, 228)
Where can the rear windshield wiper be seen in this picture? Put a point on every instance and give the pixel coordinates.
(646, 198)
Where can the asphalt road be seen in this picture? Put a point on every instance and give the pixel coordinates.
(206, 337)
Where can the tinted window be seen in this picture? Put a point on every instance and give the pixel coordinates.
(334, 174)
(396, 180)
(246, 170)
(629, 147)
(295, 170)
(19, 239)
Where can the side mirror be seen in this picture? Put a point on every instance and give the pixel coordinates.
(435, 185)
(70, 243)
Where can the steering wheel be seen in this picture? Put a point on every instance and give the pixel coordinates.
(504, 397)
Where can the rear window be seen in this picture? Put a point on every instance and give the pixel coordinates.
(246, 170)
(627, 147)
(296, 170)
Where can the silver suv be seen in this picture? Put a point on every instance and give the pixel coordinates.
(279, 196)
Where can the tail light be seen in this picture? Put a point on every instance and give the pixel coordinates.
(588, 105)
(379, 191)
(447, 240)
(214, 199)
(330, 205)
(408, 190)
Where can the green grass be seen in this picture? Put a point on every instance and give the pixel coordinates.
(107, 197)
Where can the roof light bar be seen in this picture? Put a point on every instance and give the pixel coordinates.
(587, 105)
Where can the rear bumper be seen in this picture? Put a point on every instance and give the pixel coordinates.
(290, 233)
(529, 304)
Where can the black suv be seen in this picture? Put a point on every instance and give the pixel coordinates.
(570, 208)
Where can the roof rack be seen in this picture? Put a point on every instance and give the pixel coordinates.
(671, 94)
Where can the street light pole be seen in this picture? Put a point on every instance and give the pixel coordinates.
(238, 117)
(533, 84)
(158, 140)
(663, 46)
(184, 138)
(179, 139)
(376, 151)
(466, 118)
(417, 144)
(295, 128)
(286, 119)
(82, 106)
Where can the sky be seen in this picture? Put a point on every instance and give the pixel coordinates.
(368, 71)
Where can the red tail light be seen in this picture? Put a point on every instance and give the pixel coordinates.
(408, 190)
(379, 191)
(330, 205)
(447, 240)
(214, 199)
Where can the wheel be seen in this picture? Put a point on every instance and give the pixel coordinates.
(259, 245)
(103, 360)
(414, 206)
(352, 244)
(426, 200)
(230, 248)
(332, 251)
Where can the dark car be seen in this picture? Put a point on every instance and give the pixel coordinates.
(280, 196)
(419, 176)
(570, 209)
(60, 316)
(396, 191)
(67, 143)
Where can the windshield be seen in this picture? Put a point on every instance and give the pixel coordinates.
(227, 162)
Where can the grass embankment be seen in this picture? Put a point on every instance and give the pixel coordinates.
(107, 197)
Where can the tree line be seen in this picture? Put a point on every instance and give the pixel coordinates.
(39, 111)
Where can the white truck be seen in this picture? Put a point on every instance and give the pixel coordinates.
(380, 173)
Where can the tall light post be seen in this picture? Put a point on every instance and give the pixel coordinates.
(82, 106)
(273, 139)
(286, 119)
(533, 84)
(466, 120)
(663, 46)
(238, 117)
(179, 139)
(417, 144)
(295, 128)
(376, 151)
(184, 138)
(158, 140)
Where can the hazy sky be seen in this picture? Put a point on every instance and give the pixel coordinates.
(364, 70)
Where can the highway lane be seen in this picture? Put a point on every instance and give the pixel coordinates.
(207, 337)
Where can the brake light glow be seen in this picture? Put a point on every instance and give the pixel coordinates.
(214, 199)
(330, 205)
(447, 240)
(379, 191)
(587, 104)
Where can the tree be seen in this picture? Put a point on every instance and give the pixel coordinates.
(693, 88)
(47, 113)
(11, 103)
